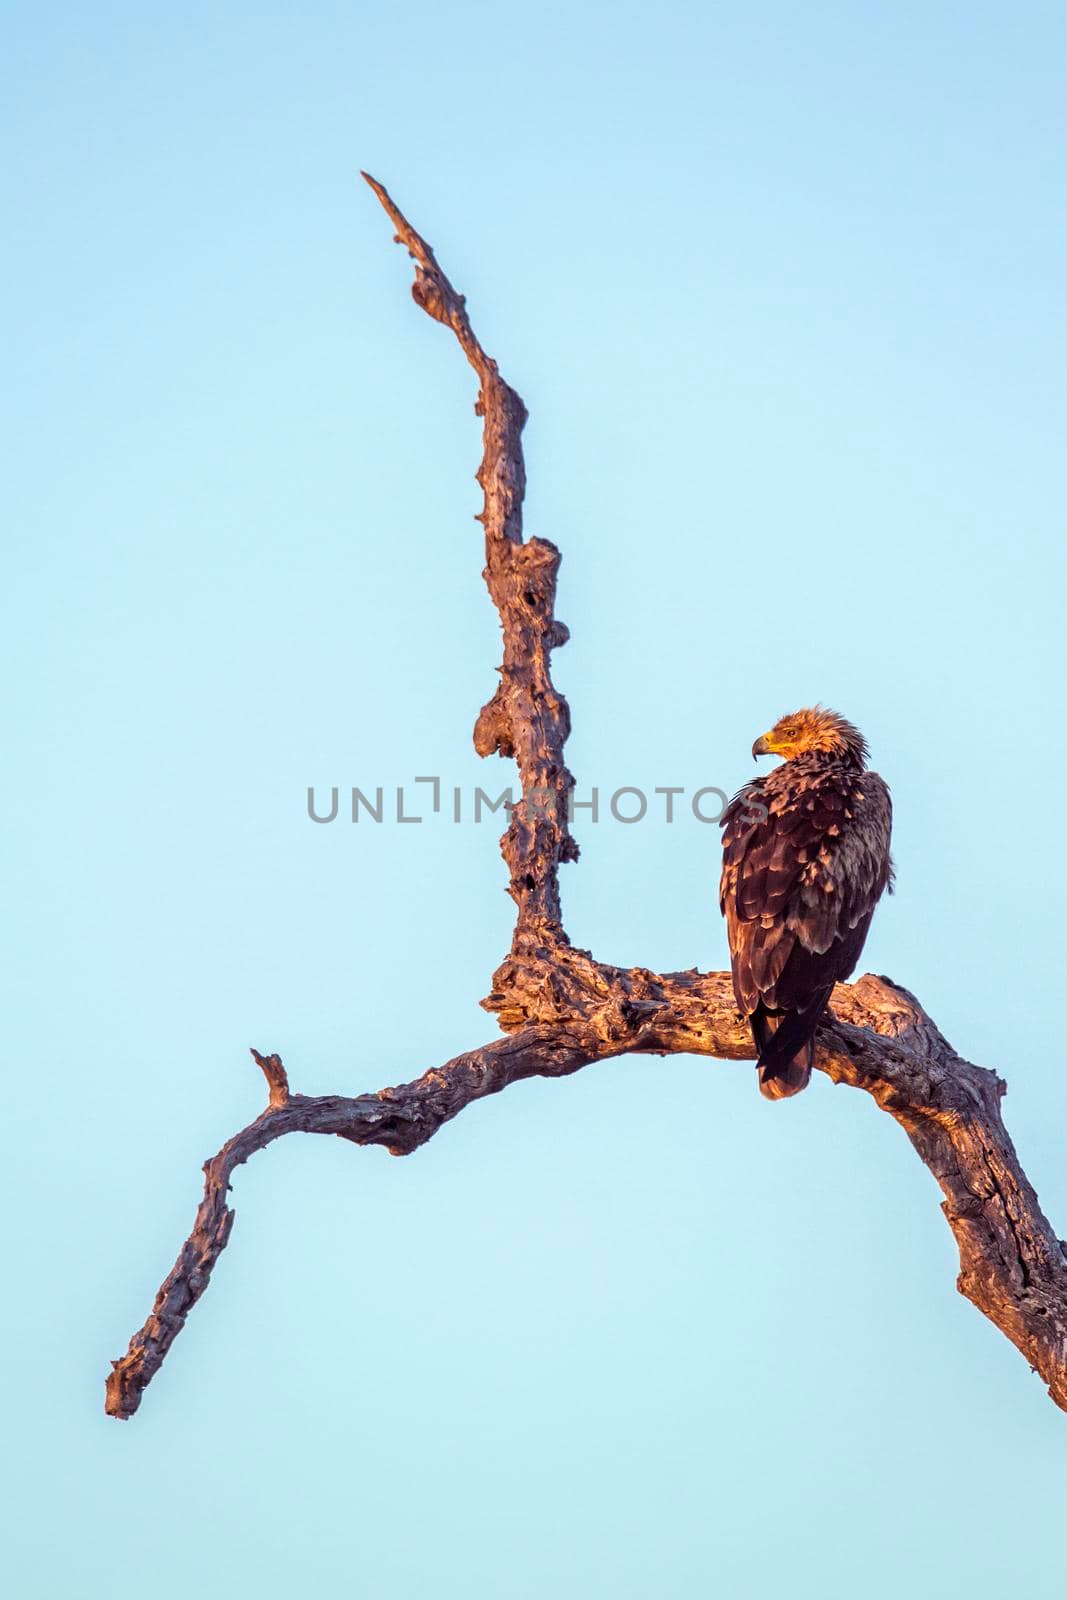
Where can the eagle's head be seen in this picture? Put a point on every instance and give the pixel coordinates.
(814, 730)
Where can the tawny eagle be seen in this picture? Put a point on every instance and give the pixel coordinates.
(805, 861)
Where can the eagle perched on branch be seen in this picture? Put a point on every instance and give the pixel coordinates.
(805, 862)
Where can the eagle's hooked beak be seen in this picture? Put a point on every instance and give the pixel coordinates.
(762, 747)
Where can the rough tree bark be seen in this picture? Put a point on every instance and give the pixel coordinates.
(560, 1009)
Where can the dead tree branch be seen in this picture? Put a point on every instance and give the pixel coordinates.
(560, 1010)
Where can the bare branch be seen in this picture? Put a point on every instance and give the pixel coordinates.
(562, 1010)
(527, 718)
(277, 1081)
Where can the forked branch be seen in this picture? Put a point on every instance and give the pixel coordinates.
(559, 1009)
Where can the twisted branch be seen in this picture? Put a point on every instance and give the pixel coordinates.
(560, 1009)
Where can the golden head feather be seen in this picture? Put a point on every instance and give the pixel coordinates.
(813, 730)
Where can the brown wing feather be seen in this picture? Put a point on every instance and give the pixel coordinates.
(805, 859)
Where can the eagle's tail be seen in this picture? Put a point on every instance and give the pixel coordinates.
(786, 1044)
(778, 1080)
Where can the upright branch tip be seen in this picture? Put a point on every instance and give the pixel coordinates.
(276, 1076)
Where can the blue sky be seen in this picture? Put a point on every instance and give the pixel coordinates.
(783, 289)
